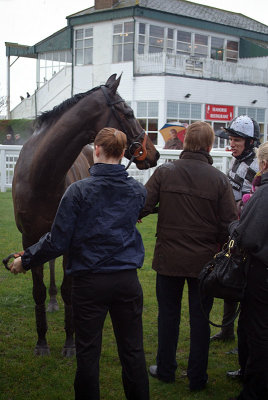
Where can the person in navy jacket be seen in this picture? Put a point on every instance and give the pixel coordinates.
(96, 225)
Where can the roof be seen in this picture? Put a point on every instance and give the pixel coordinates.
(192, 10)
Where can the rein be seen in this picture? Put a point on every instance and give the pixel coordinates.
(136, 149)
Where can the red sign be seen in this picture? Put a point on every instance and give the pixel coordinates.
(217, 112)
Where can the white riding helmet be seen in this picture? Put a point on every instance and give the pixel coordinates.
(245, 127)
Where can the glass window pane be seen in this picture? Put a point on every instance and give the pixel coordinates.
(88, 56)
(88, 32)
(141, 28)
(141, 109)
(117, 53)
(196, 111)
(217, 42)
(141, 39)
(118, 39)
(216, 54)
(88, 42)
(128, 38)
(201, 39)
(129, 27)
(128, 52)
(200, 50)
(79, 44)
(69, 57)
(118, 28)
(79, 34)
(156, 42)
(252, 113)
(141, 49)
(79, 57)
(152, 124)
(172, 110)
(157, 31)
(260, 114)
(242, 111)
(232, 45)
(184, 110)
(183, 36)
(152, 109)
(62, 55)
(232, 54)
(183, 48)
(170, 33)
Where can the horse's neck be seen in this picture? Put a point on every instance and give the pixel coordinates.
(60, 143)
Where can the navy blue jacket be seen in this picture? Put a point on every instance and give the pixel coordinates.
(95, 224)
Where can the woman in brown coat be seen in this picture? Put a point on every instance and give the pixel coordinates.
(196, 205)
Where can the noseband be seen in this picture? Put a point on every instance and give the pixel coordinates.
(137, 149)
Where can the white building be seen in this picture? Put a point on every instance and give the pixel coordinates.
(180, 61)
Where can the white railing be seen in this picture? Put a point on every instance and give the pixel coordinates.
(177, 64)
(10, 154)
(8, 158)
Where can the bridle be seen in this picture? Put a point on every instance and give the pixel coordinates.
(137, 149)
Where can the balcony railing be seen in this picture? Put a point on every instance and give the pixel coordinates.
(177, 64)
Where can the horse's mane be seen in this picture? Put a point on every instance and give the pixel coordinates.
(57, 111)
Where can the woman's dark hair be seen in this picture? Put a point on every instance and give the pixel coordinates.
(112, 141)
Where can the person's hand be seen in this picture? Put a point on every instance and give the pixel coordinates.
(139, 221)
(16, 267)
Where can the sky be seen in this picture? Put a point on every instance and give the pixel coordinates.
(29, 21)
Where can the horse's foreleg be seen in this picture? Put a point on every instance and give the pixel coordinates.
(39, 295)
(66, 287)
(53, 304)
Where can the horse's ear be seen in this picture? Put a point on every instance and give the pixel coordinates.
(113, 83)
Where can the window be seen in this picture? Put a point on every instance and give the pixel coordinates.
(232, 51)
(170, 40)
(141, 43)
(200, 45)
(147, 115)
(256, 113)
(83, 46)
(123, 42)
(183, 42)
(156, 39)
(217, 46)
(52, 62)
(183, 112)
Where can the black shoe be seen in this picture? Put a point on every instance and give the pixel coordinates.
(222, 336)
(154, 374)
(235, 374)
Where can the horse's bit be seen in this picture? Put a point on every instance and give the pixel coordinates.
(139, 153)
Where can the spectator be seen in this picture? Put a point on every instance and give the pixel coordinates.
(251, 232)
(244, 135)
(196, 205)
(9, 139)
(98, 216)
(18, 139)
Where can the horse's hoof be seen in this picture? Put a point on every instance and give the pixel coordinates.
(41, 350)
(68, 351)
(52, 306)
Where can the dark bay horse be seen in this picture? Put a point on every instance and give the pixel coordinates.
(56, 155)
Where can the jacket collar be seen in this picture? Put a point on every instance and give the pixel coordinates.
(108, 169)
(197, 155)
(264, 178)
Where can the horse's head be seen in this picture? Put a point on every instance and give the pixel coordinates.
(140, 147)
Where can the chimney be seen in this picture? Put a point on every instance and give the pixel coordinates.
(103, 4)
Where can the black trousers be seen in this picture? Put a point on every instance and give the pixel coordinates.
(169, 292)
(253, 335)
(93, 296)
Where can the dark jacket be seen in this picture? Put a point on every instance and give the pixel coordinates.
(252, 228)
(196, 205)
(95, 224)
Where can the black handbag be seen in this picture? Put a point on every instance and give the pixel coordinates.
(225, 276)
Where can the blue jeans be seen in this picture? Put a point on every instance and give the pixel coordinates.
(169, 292)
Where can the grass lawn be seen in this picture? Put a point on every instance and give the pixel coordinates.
(25, 376)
